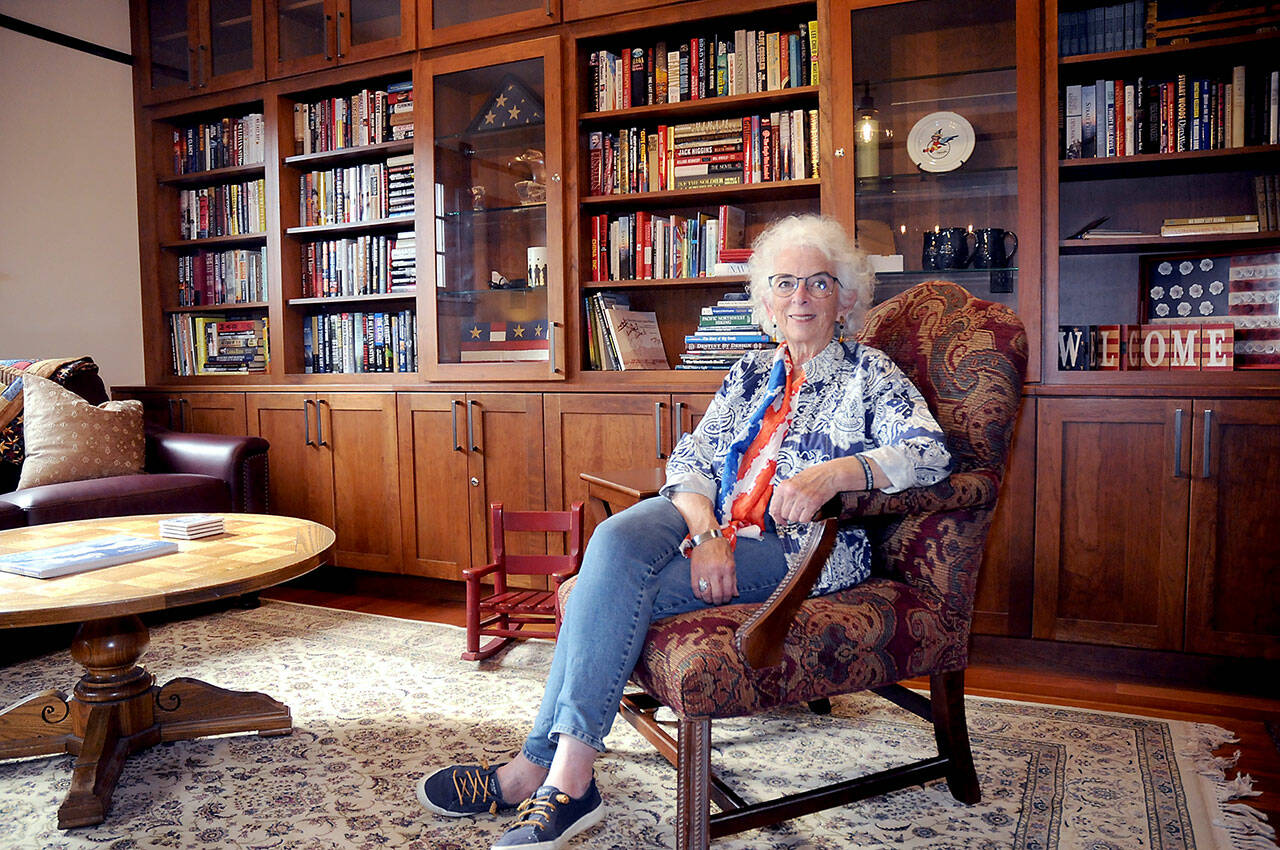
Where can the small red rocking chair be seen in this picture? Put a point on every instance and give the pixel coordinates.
(504, 614)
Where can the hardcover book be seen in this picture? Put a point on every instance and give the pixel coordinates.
(638, 341)
(84, 556)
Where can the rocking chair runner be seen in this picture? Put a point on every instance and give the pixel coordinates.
(505, 613)
(910, 619)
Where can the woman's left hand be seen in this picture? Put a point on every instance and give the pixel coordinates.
(798, 499)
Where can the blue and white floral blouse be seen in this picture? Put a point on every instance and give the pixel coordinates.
(854, 399)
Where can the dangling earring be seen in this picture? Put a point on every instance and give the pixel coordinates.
(840, 331)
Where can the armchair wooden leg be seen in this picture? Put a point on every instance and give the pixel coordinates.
(693, 784)
(946, 692)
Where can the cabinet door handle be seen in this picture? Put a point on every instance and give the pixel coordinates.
(200, 66)
(551, 344)
(172, 419)
(328, 57)
(338, 40)
(1177, 443)
(453, 416)
(471, 433)
(679, 420)
(657, 430)
(320, 423)
(184, 404)
(306, 421)
(548, 8)
(191, 67)
(1208, 441)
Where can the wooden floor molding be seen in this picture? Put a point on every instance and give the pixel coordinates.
(1253, 719)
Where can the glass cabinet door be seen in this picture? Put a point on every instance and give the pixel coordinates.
(941, 187)
(231, 47)
(495, 292)
(372, 28)
(450, 21)
(171, 47)
(306, 35)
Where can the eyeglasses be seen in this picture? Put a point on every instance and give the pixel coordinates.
(819, 284)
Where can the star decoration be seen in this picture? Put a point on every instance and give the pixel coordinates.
(514, 112)
(537, 331)
(502, 99)
(518, 332)
(489, 116)
(475, 332)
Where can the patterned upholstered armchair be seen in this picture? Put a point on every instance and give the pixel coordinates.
(911, 619)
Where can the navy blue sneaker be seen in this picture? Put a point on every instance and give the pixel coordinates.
(462, 790)
(550, 818)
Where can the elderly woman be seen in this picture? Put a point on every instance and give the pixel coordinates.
(787, 430)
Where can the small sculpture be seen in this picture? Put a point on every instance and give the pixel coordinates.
(534, 189)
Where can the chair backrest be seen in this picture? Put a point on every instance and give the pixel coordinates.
(567, 522)
(968, 358)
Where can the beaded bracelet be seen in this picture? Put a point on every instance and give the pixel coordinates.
(866, 469)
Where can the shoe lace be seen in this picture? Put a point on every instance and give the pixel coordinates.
(471, 785)
(537, 811)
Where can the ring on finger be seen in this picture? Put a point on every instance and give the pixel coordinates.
(703, 585)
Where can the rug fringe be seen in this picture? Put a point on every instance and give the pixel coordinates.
(1246, 827)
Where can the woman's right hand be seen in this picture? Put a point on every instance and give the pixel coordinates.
(713, 563)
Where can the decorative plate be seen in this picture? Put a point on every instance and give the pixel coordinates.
(940, 141)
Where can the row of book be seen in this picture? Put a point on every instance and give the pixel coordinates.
(1102, 29)
(622, 339)
(369, 264)
(726, 331)
(228, 209)
(1266, 192)
(357, 342)
(238, 276)
(717, 152)
(220, 144)
(368, 117)
(355, 193)
(204, 345)
(742, 62)
(1234, 109)
(1216, 346)
(648, 246)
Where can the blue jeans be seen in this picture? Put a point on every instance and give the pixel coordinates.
(632, 574)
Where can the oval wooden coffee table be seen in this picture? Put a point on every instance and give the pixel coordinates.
(116, 708)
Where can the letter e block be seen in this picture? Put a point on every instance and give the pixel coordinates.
(1155, 346)
(1217, 348)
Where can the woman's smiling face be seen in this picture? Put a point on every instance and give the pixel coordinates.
(806, 323)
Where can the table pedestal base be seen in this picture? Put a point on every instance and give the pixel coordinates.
(116, 709)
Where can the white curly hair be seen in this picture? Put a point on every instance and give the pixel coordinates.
(848, 263)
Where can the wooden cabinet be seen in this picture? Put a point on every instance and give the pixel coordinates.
(197, 46)
(1233, 579)
(195, 412)
(491, 120)
(1004, 598)
(459, 453)
(1148, 524)
(334, 460)
(449, 21)
(308, 35)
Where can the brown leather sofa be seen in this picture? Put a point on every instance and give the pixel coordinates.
(184, 473)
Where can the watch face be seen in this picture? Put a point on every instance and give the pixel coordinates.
(940, 141)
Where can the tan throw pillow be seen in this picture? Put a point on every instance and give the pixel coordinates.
(69, 439)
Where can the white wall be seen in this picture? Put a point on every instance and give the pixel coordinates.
(69, 269)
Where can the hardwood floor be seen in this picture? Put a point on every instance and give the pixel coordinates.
(1247, 716)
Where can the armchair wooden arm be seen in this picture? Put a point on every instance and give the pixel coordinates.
(760, 638)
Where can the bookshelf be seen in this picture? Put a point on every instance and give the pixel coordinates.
(652, 103)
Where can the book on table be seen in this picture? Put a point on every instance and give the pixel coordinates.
(86, 555)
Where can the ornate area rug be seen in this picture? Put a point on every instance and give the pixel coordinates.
(377, 700)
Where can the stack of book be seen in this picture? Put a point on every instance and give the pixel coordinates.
(1232, 108)
(221, 144)
(1102, 29)
(404, 264)
(205, 345)
(726, 331)
(645, 246)
(368, 117)
(360, 342)
(237, 276)
(713, 65)
(1206, 224)
(400, 110)
(191, 526)
(228, 209)
(763, 148)
(400, 185)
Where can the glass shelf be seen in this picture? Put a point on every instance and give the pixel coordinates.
(487, 211)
